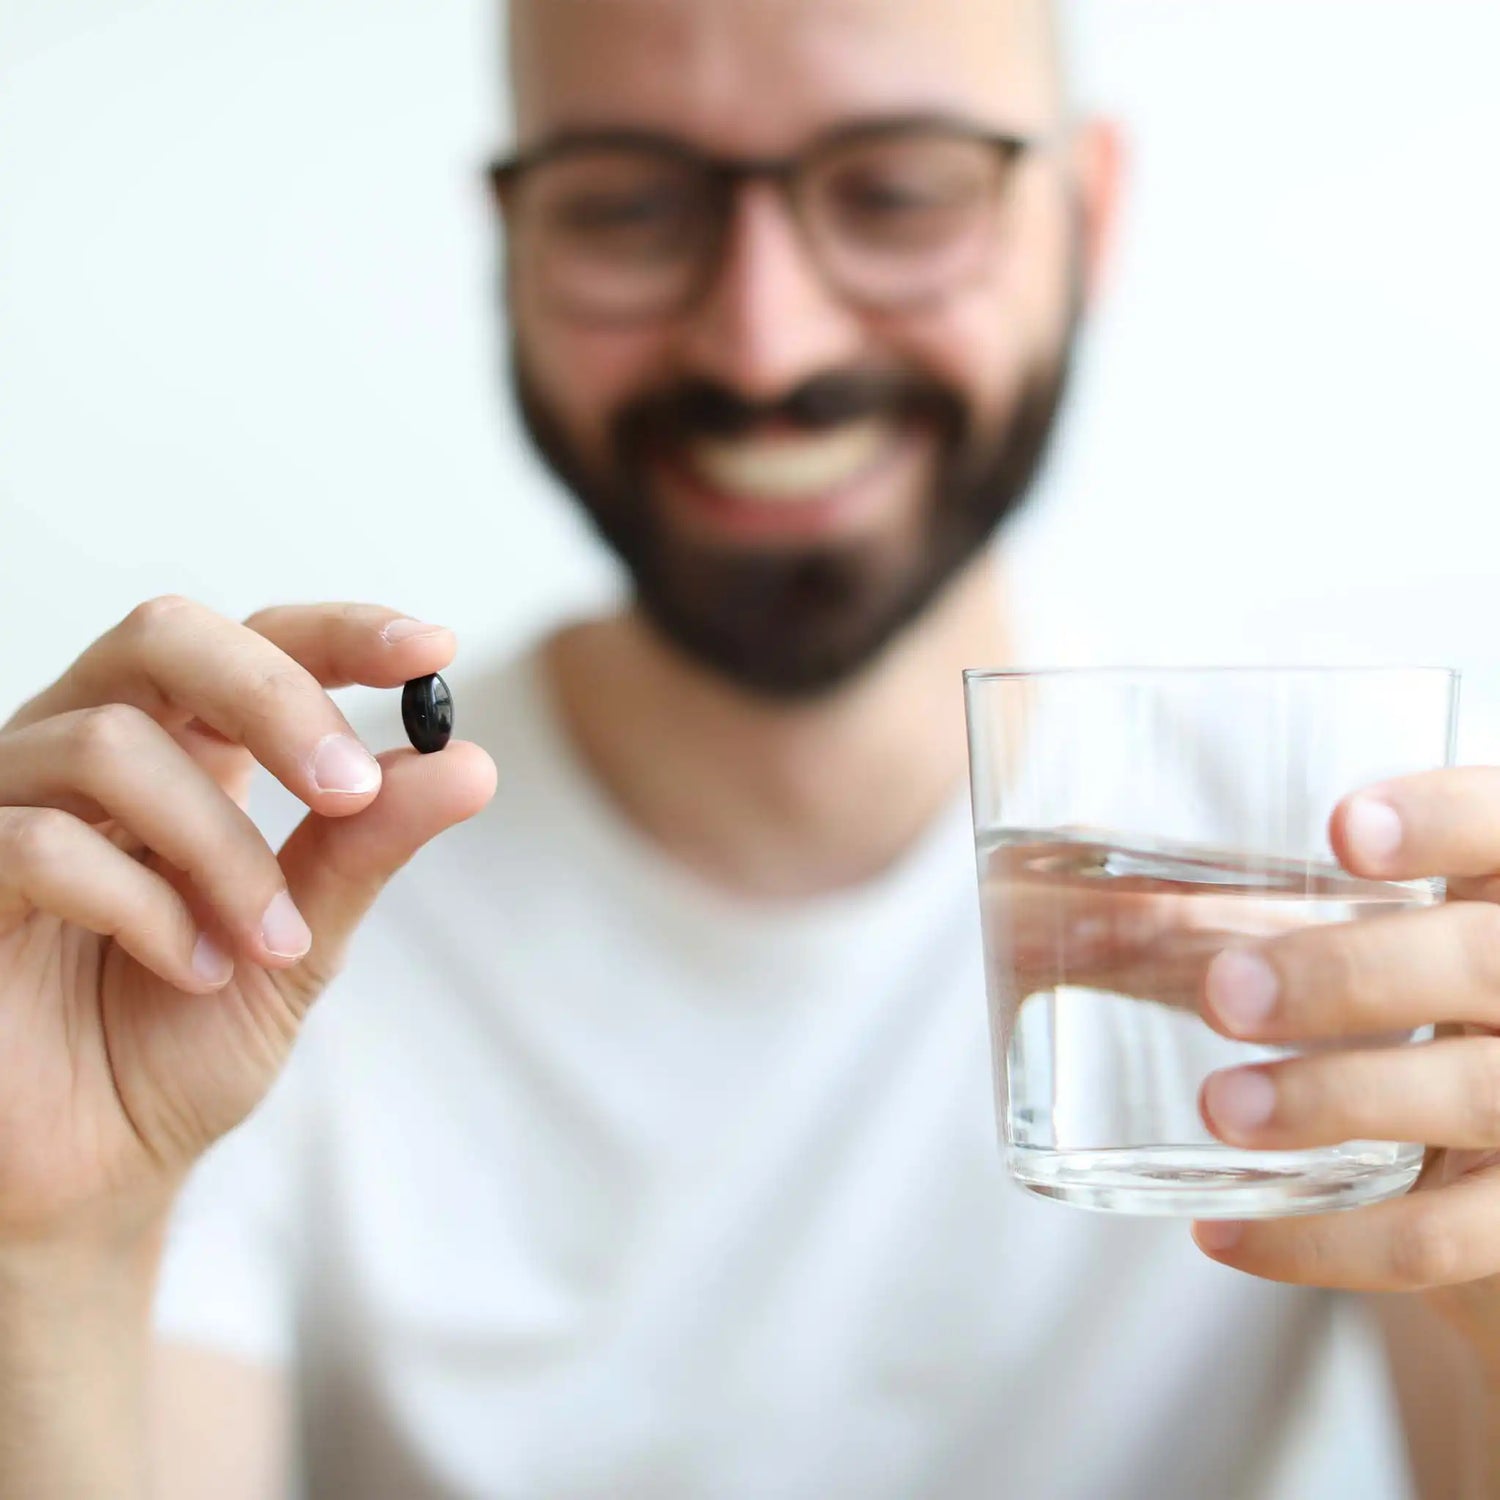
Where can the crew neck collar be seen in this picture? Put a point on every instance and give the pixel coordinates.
(941, 853)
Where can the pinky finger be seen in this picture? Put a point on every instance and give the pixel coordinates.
(1415, 1242)
(56, 863)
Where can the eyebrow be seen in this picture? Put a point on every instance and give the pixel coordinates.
(860, 127)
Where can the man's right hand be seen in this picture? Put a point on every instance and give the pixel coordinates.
(156, 955)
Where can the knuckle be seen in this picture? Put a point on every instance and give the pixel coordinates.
(276, 695)
(1315, 1253)
(1482, 1090)
(1481, 939)
(238, 860)
(102, 734)
(34, 838)
(1345, 977)
(154, 908)
(1425, 1251)
(1318, 1092)
(148, 616)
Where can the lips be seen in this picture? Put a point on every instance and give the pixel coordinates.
(788, 468)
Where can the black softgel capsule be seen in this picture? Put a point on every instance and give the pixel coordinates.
(427, 712)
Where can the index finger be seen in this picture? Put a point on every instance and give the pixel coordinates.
(1434, 823)
(345, 644)
(1119, 935)
(179, 661)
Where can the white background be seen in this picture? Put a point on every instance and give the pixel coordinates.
(248, 348)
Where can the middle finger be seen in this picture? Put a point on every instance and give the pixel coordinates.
(1361, 978)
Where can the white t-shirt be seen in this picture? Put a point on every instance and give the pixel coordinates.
(588, 1180)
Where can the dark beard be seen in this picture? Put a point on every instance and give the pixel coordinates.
(791, 625)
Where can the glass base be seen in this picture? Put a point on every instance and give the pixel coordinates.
(1216, 1182)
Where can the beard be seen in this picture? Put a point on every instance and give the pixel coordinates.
(795, 624)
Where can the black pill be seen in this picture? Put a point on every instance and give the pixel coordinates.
(427, 712)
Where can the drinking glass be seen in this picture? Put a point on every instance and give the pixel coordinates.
(1129, 824)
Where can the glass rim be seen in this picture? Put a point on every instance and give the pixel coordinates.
(1244, 669)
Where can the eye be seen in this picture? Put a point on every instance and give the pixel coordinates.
(872, 197)
(904, 215)
(907, 191)
(604, 213)
(908, 194)
(893, 194)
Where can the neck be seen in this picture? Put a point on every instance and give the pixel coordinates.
(778, 801)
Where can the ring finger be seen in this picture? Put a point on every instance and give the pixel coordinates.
(54, 863)
(118, 760)
(1442, 1093)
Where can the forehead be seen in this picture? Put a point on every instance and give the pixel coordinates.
(759, 76)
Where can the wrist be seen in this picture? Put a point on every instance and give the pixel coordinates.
(94, 1264)
(71, 1311)
(75, 1336)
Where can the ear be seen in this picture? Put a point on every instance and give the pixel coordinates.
(1098, 161)
(499, 181)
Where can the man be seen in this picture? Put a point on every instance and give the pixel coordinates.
(645, 1148)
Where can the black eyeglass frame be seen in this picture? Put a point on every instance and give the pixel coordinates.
(724, 175)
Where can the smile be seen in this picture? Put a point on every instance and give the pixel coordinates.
(788, 468)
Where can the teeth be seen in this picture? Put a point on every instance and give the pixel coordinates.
(786, 468)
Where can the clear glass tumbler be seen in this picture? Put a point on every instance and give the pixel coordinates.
(1129, 824)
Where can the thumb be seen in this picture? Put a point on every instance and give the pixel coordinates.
(336, 867)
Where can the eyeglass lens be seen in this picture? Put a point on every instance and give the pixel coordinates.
(630, 231)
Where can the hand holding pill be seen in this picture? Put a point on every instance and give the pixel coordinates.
(156, 954)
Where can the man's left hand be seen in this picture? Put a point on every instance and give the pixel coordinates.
(1352, 980)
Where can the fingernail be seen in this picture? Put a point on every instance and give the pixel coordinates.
(282, 929)
(1373, 829)
(1242, 989)
(210, 962)
(341, 764)
(1241, 1100)
(409, 630)
(1218, 1235)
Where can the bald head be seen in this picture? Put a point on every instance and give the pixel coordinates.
(780, 68)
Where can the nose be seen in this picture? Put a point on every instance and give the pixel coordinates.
(768, 321)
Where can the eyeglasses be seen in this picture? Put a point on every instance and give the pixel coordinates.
(620, 226)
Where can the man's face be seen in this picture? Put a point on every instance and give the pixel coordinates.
(791, 475)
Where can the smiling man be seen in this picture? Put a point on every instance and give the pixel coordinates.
(645, 1147)
(794, 324)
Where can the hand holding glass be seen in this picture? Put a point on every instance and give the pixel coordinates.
(1129, 825)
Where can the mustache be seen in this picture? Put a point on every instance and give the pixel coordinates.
(704, 408)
